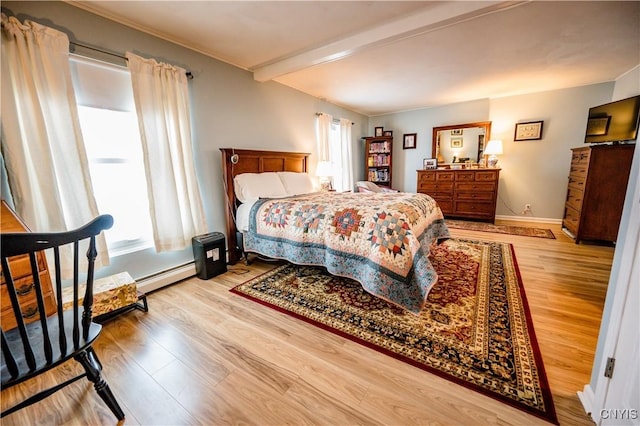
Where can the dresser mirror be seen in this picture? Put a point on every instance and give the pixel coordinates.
(458, 143)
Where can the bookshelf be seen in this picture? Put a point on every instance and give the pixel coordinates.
(378, 160)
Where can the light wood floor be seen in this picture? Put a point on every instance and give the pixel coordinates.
(205, 356)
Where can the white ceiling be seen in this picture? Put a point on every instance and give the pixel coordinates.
(377, 57)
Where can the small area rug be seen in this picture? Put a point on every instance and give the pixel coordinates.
(475, 329)
(500, 229)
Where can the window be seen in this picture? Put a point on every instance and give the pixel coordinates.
(340, 154)
(112, 140)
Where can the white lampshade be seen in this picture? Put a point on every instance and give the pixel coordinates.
(491, 151)
(494, 147)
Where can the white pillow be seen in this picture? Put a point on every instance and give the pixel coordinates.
(297, 183)
(251, 186)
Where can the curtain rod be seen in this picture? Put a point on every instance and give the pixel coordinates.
(335, 119)
(117, 55)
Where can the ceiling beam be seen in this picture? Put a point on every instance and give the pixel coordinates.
(430, 19)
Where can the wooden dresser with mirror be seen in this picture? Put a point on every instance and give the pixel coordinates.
(457, 142)
(461, 192)
(24, 281)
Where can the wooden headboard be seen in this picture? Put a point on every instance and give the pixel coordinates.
(236, 161)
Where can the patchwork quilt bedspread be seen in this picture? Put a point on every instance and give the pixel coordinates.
(381, 240)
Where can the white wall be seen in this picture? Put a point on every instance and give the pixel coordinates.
(229, 109)
(533, 172)
(627, 85)
(536, 171)
(422, 122)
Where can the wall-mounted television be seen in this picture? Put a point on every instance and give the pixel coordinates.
(613, 122)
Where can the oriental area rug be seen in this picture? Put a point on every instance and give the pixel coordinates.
(475, 329)
(500, 229)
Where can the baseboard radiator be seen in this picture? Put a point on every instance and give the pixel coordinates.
(161, 279)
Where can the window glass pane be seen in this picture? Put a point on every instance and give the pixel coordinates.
(117, 172)
(110, 134)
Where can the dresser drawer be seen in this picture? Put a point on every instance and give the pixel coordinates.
(426, 177)
(30, 312)
(445, 204)
(578, 169)
(577, 182)
(474, 208)
(437, 191)
(571, 220)
(21, 266)
(466, 176)
(445, 176)
(441, 196)
(25, 289)
(574, 198)
(580, 157)
(477, 195)
(475, 187)
(435, 176)
(486, 176)
(428, 188)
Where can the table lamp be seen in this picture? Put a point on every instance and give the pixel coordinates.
(493, 149)
(324, 172)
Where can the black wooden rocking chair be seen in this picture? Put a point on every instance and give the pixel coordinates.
(33, 348)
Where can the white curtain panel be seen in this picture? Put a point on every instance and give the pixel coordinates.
(345, 181)
(323, 132)
(161, 96)
(41, 137)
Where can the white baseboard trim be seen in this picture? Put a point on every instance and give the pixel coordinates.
(587, 398)
(530, 219)
(162, 279)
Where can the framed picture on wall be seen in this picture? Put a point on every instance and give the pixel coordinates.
(456, 132)
(409, 141)
(378, 131)
(529, 131)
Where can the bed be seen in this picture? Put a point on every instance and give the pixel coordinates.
(382, 240)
